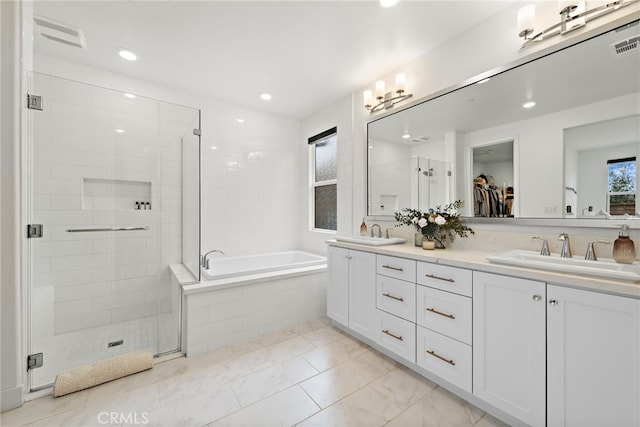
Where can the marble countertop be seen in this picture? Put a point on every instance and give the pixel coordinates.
(477, 260)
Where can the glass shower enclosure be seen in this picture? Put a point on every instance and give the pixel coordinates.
(113, 203)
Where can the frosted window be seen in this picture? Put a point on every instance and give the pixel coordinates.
(326, 150)
(325, 202)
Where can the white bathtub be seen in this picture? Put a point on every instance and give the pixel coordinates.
(223, 267)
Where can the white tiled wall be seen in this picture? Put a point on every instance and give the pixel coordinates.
(221, 317)
(99, 278)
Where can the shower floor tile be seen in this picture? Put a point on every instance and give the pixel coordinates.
(73, 349)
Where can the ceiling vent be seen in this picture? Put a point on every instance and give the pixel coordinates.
(625, 47)
(59, 32)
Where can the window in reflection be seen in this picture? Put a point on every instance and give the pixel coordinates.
(622, 186)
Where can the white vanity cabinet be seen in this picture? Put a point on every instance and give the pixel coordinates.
(593, 359)
(351, 293)
(444, 322)
(396, 305)
(509, 345)
(338, 285)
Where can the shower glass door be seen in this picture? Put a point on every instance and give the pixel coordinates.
(106, 186)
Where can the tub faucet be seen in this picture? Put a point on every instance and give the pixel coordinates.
(204, 262)
(379, 231)
(566, 246)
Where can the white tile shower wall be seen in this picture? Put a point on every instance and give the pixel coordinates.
(251, 199)
(97, 280)
(221, 317)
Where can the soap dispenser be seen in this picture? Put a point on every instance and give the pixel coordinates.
(363, 228)
(624, 250)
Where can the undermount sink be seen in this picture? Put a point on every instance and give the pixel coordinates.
(601, 268)
(371, 241)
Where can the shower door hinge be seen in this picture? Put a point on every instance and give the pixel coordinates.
(35, 361)
(34, 102)
(34, 231)
(197, 132)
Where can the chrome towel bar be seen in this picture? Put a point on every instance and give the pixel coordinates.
(86, 230)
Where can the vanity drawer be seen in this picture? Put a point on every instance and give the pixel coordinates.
(396, 297)
(444, 312)
(450, 279)
(445, 357)
(397, 335)
(400, 268)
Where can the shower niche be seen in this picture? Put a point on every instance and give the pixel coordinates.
(112, 194)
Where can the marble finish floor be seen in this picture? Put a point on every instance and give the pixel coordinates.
(308, 375)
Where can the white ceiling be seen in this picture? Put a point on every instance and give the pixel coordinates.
(308, 54)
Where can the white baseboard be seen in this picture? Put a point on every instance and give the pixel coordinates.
(10, 399)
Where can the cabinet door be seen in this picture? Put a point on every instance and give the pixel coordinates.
(593, 361)
(509, 345)
(363, 316)
(338, 286)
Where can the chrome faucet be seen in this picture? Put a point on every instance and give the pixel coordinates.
(566, 245)
(591, 251)
(379, 231)
(544, 250)
(204, 262)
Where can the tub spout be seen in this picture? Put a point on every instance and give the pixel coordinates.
(204, 261)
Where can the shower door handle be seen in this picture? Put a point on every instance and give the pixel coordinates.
(86, 230)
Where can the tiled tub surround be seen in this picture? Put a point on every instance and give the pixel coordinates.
(226, 311)
(534, 336)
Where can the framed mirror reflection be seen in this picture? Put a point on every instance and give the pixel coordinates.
(556, 137)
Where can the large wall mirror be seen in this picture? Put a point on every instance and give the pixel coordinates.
(557, 137)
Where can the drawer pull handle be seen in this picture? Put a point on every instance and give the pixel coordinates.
(433, 310)
(439, 278)
(392, 268)
(434, 354)
(393, 297)
(386, 331)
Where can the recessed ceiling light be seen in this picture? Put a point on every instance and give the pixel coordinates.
(370, 147)
(127, 54)
(388, 3)
(265, 96)
(214, 147)
(239, 120)
(406, 136)
(529, 104)
(129, 95)
(119, 130)
(483, 81)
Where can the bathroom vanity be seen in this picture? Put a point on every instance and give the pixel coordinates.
(528, 346)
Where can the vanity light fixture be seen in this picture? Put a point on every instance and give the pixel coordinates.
(573, 14)
(529, 104)
(386, 99)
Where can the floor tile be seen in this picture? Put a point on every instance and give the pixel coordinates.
(366, 407)
(271, 380)
(285, 408)
(490, 421)
(43, 407)
(438, 408)
(324, 336)
(336, 383)
(277, 353)
(182, 407)
(403, 387)
(331, 355)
